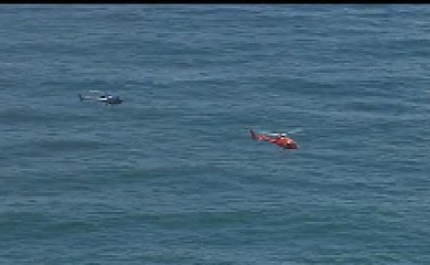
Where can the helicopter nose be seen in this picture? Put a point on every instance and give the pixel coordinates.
(293, 145)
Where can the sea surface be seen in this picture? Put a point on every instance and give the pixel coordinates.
(171, 176)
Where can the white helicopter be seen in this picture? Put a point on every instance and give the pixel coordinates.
(104, 97)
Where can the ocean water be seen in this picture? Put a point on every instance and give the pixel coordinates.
(172, 176)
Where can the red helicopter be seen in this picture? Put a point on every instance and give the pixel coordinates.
(280, 139)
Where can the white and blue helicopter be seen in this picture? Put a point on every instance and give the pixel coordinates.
(104, 97)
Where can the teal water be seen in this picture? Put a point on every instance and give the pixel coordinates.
(171, 176)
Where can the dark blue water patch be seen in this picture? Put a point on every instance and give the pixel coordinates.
(64, 145)
(25, 113)
(32, 225)
(25, 226)
(380, 107)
